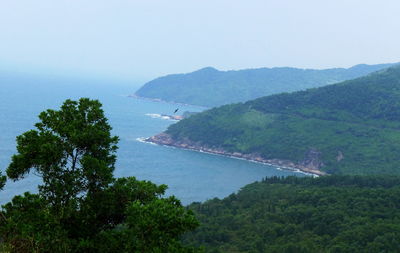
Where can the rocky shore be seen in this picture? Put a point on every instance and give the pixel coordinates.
(310, 165)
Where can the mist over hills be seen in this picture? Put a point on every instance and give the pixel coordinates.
(351, 127)
(211, 87)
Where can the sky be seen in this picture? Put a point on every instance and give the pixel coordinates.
(142, 40)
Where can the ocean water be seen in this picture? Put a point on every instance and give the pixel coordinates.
(191, 176)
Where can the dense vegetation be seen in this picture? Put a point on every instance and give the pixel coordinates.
(80, 206)
(355, 125)
(327, 214)
(210, 87)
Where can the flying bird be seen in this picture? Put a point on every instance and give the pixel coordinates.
(177, 109)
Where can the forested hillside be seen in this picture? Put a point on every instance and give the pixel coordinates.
(210, 87)
(327, 214)
(351, 127)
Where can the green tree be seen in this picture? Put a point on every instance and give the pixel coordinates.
(2, 180)
(71, 149)
(80, 206)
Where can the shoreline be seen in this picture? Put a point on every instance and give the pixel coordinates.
(165, 140)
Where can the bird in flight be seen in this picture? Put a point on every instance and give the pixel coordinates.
(177, 109)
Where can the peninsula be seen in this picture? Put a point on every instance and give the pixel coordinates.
(347, 128)
(210, 87)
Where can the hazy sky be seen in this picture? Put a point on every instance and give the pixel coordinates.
(140, 40)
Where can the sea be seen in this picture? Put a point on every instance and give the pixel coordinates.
(191, 176)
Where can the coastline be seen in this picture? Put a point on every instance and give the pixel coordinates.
(164, 139)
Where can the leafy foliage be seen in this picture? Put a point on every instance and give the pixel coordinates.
(327, 214)
(72, 150)
(210, 87)
(354, 124)
(28, 225)
(3, 180)
(81, 207)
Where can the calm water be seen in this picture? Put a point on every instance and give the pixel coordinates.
(191, 176)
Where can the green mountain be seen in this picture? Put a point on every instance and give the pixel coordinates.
(348, 128)
(210, 87)
(327, 214)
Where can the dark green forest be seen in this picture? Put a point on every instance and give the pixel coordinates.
(355, 125)
(326, 214)
(210, 87)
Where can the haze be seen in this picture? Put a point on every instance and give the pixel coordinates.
(141, 40)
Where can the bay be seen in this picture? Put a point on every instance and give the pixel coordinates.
(191, 176)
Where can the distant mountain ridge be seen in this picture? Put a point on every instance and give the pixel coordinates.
(351, 127)
(211, 87)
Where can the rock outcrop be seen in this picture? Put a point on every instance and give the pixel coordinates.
(311, 163)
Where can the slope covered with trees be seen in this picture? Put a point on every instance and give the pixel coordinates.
(210, 87)
(326, 214)
(353, 127)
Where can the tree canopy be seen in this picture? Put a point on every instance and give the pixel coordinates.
(80, 206)
(293, 214)
(71, 149)
(3, 180)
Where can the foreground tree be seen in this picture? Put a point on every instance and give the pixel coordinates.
(2, 180)
(80, 206)
(71, 149)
